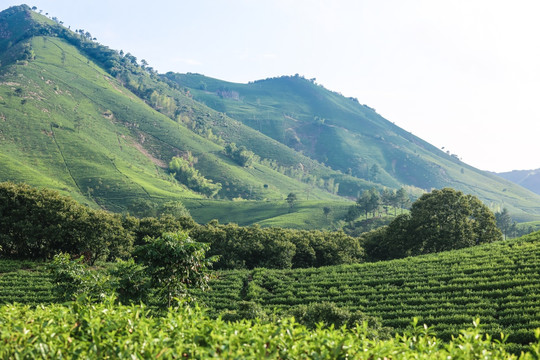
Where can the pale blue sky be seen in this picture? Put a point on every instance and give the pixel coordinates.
(463, 74)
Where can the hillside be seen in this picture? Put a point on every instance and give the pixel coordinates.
(529, 179)
(95, 123)
(350, 137)
(69, 125)
(498, 282)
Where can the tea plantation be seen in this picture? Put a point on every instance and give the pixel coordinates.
(499, 283)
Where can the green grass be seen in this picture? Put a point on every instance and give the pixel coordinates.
(304, 214)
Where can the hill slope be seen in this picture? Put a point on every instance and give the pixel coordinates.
(92, 122)
(529, 179)
(67, 124)
(349, 137)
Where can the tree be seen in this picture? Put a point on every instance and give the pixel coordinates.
(504, 221)
(291, 200)
(438, 221)
(375, 170)
(184, 172)
(374, 201)
(370, 201)
(402, 198)
(327, 210)
(447, 219)
(175, 263)
(387, 199)
(363, 202)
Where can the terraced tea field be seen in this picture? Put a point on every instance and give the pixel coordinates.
(24, 282)
(499, 283)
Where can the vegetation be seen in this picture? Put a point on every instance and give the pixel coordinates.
(175, 263)
(107, 135)
(497, 282)
(96, 123)
(112, 331)
(349, 137)
(36, 224)
(184, 171)
(253, 247)
(438, 221)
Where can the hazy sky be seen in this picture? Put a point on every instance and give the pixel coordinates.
(464, 75)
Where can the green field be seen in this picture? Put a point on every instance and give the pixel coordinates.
(24, 282)
(106, 331)
(499, 283)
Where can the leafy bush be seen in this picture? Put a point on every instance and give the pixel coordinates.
(175, 263)
(253, 246)
(71, 279)
(241, 155)
(438, 221)
(329, 314)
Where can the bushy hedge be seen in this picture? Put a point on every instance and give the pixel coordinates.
(253, 246)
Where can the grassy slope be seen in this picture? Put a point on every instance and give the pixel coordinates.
(352, 136)
(73, 128)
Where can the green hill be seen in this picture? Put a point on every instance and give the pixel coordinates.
(93, 123)
(350, 137)
(67, 124)
(529, 179)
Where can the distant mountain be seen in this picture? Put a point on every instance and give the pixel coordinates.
(529, 179)
(103, 127)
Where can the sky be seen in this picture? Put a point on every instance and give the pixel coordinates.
(463, 75)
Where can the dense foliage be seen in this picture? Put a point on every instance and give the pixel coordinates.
(441, 220)
(241, 155)
(175, 263)
(253, 246)
(36, 224)
(110, 331)
(184, 171)
(169, 266)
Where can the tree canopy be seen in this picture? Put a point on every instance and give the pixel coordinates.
(438, 221)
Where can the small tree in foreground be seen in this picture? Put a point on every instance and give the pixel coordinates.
(175, 263)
